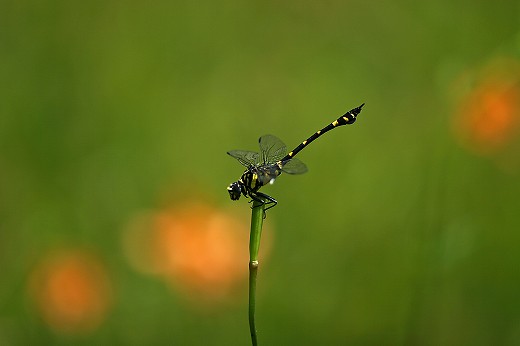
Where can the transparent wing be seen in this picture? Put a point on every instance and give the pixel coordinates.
(246, 158)
(272, 149)
(294, 166)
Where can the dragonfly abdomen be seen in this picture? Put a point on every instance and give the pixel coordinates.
(346, 119)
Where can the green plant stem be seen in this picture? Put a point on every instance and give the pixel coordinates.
(257, 220)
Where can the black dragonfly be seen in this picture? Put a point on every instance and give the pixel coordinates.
(264, 167)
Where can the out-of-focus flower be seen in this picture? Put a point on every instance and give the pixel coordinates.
(72, 291)
(488, 117)
(198, 249)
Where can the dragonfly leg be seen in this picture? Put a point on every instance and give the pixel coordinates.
(267, 200)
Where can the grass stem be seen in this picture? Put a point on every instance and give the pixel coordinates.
(257, 220)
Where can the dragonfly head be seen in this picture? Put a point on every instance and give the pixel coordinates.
(235, 190)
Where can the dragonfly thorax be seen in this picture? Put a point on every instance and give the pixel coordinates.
(253, 179)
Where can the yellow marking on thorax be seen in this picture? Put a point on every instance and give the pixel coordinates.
(346, 119)
(335, 123)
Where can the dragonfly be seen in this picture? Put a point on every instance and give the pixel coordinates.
(264, 167)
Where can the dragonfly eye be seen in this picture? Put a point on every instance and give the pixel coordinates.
(234, 191)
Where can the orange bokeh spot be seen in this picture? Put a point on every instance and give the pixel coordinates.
(198, 249)
(488, 118)
(202, 249)
(72, 292)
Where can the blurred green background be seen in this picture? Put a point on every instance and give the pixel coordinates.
(404, 231)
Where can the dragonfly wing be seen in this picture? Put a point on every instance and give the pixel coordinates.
(294, 166)
(272, 149)
(246, 158)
